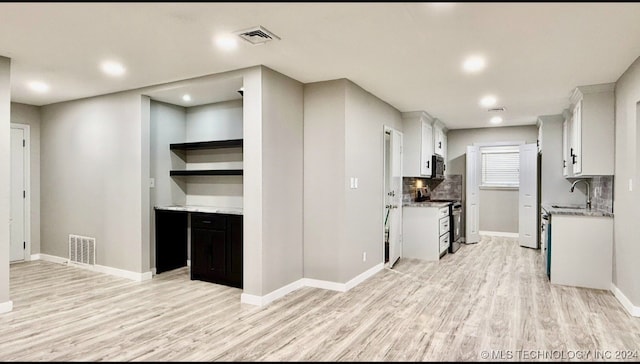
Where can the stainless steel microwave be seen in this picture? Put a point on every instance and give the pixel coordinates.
(437, 167)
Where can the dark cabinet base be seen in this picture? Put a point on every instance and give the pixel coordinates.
(216, 248)
(216, 245)
(171, 240)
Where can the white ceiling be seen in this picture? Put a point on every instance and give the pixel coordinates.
(408, 54)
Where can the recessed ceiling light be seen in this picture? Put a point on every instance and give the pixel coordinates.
(112, 68)
(186, 97)
(227, 42)
(38, 86)
(474, 64)
(488, 101)
(496, 120)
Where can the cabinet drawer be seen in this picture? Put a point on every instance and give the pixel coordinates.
(444, 225)
(444, 211)
(208, 221)
(444, 242)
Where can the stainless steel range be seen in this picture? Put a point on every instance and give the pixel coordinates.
(456, 220)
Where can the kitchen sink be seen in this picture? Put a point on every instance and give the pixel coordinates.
(568, 207)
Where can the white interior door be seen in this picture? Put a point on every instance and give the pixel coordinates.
(395, 198)
(528, 211)
(17, 208)
(472, 205)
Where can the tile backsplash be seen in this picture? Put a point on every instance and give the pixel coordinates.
(604, 199)
(450, 188)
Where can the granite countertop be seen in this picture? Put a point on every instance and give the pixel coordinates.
(208, 209)
(577, 210)
(425, 204)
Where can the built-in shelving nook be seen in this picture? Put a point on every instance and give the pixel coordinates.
(196, 144)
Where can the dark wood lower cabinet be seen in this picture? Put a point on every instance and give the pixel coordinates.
(216, 248)
(171, 240)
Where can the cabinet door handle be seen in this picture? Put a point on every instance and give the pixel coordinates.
(427, 164)
(571, 153)
(440, 145)
(564, 163)
(573, 159)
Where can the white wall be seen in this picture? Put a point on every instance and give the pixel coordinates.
(91, 178)
(252, 186)
(366, 115)
(626, 203)
(30, 115)
(217, 121)
(499, 210)
(5, 181)
(344, 138)
(282, 179)
(324, 178)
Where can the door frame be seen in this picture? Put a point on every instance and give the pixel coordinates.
(27, 187)
(479, 145)
(387, 129)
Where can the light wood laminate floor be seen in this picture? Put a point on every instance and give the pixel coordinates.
(489, 296)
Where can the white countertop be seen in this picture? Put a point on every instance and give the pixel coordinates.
(207, 209)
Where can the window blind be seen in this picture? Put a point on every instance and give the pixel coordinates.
(500, 166)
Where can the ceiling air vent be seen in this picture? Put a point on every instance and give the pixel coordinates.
(257, 35)
(497, 109)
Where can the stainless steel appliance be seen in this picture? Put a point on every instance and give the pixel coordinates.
(437, 167)
(545, 233)
(456, 219)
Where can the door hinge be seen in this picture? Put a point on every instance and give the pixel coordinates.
(24, 194)
(24, 245)
(24, 143)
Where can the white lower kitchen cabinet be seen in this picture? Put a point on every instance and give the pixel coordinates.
(582, 251)
(425, 232)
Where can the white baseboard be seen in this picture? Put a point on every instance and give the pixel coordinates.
(500, 234)
(363, 276)
(328, 285)
(6, 307)
(51, 258)
(626, 303)
(134, 276)
(308, 282)
(188, 262)
(270, 297)
(35, 257)
(153, 271)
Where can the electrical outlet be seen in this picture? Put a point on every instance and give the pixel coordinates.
(364, 256)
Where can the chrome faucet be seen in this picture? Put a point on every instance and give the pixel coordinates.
(588, 191)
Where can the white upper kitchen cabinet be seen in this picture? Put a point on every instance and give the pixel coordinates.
(590, 131)
(567, 168)
(417, 144)
(439, 144)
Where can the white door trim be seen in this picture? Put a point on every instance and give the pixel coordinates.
(27, 187)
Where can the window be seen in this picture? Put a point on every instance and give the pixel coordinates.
(500, 166)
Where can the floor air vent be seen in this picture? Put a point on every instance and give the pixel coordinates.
(82, 249)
